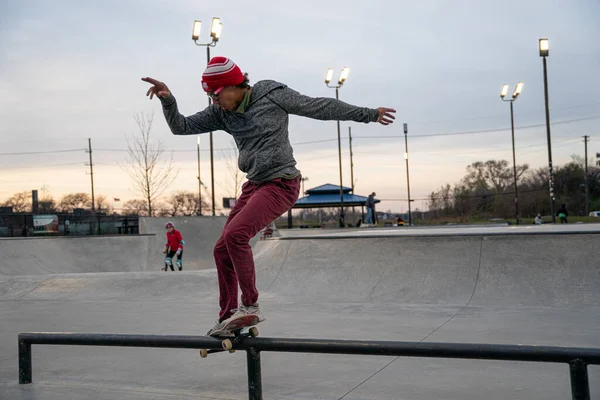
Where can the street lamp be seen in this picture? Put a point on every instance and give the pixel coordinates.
(544, 47)
(199, 180)
(407, 175)
(515, 94)
(340, 83)
(215, 33)
(304, 178)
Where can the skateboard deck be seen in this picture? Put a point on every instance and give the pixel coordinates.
(235, 326)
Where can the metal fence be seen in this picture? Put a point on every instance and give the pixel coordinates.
(22, 225)
(577, 358)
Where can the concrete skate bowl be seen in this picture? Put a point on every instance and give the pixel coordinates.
(528, 289)
(199, 234)
(495, 271)
(503, 289)
(76, 254)
(111, 253)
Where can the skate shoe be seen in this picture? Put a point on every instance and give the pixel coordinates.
(217, 330)
(253, 309)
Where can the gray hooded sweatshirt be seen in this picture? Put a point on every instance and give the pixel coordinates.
(261, 132)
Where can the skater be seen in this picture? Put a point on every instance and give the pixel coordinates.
(257, 117)
(173, 247)
(370, 203)
(562, 214)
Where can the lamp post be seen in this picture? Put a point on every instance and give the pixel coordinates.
(544, 46)
(215, 34)
(586, 138)
(515, 94)
(341, 80)
(351, 162)
(407, 175)
(199, 180)
(304, 178)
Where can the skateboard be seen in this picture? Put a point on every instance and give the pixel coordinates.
(236, 327)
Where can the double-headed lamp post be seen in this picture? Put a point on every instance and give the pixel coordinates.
(544, 46)
(515, 94)
(407, 174)
(215, 33)
(199, 180)
(341, 80)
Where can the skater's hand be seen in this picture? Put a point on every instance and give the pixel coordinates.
(159, 89)
(385, 115)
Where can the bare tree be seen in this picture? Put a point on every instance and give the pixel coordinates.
(102, 204)
(185, 203)
(71, 201)
(580, 160)
(146, 165)
(46, 204)
(20, 202)
(234, 188)
(135, 207)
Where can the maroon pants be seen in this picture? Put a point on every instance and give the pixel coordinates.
(259, 205)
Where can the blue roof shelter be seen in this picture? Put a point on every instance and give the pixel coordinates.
(328, 195)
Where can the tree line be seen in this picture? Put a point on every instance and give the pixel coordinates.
(487, 191)
(181, 203)
(151, 172)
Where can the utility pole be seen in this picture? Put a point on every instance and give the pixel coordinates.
(587, 190)
(351, 161)
(91, 172)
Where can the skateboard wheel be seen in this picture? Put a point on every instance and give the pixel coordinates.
(253, 331)
(231, 351)
(203, 353)
(227, 345)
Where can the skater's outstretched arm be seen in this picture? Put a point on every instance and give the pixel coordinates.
(208, 120)
(328, 109)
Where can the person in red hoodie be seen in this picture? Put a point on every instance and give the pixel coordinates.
(173, 247)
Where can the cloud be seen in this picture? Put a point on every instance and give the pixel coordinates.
(71, 70)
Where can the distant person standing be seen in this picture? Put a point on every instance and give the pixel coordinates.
(562, 213)
(371, 208)
(173, 247)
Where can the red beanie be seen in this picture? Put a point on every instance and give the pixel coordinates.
(221, 72)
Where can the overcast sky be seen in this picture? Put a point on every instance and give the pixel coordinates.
(70, 70)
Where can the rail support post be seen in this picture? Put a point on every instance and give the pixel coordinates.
(24, 362)
(580, 386)
(254, 375)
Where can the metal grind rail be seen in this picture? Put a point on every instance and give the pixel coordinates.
(577, 358)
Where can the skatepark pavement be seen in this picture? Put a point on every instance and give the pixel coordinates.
(506, 285)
